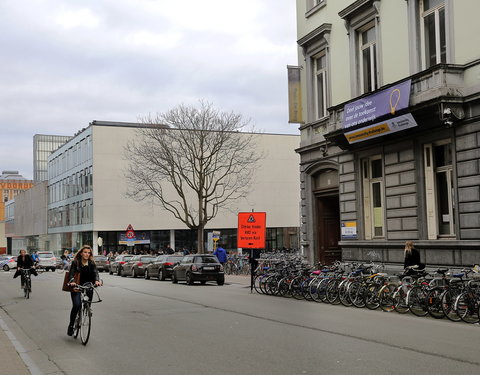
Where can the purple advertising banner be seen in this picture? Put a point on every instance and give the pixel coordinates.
(371, 107)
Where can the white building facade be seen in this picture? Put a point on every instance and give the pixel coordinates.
(390, 139)
(87, 187)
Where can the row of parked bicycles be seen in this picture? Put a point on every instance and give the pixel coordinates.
(441, 293)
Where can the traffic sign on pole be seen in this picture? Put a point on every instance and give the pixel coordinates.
(251, 230)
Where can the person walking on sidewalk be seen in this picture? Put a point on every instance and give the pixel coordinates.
(221, 255)
(84, 266)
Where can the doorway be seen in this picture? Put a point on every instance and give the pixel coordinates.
(328, 228)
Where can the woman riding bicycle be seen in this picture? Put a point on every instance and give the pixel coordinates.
(24, 261)
(84, 265)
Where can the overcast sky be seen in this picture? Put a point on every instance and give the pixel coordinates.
(65, 63)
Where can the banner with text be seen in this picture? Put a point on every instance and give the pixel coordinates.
(371, 107)
(382, 128)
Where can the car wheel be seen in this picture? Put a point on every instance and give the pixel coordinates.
(119, 271)
(123, 273)
(6, 267)
(161, 275)
(174, 278)
(134, 274)
(147, 276)
(110, 272)
(189, 278)
(221, 281)
(203, 282)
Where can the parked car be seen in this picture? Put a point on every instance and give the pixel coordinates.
(47, 260)
(201, 268)
(136, 265)
(162, 266)
(116, 265)
(8, 262)
(102, 263)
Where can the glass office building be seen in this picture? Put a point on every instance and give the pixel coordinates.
(43, 145)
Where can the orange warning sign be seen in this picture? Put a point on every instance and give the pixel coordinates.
(251, 230)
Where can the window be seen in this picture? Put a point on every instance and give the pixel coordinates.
(313, 3)
(362, 20)
(313, 6)
(440, 197)
(432, 31)
(373, 197)
(367, 58)
(315, 47)
(320, 84)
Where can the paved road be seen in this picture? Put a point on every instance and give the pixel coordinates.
(153, 327)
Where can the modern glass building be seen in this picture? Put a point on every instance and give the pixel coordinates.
(43, 145)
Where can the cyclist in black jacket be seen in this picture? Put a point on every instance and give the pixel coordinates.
(84, 265)
(24, 261)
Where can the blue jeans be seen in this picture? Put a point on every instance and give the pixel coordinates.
(77, 304)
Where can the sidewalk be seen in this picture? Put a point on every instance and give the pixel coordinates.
(238, 279)
(10, 360)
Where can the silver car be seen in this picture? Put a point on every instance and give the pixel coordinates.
(47, 260)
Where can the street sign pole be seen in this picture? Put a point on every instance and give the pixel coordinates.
(251, 235)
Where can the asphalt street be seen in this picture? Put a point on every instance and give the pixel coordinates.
(153, 327)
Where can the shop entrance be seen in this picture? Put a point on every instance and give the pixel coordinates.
(328, 228)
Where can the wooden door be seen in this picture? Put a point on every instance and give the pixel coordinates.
(328, 229)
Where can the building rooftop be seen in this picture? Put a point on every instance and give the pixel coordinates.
(11, 175)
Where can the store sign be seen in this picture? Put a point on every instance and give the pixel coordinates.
(369, 108)
(393, 125)
(349, 230)
(139, 239)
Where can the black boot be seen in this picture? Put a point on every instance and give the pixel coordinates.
(70, 330)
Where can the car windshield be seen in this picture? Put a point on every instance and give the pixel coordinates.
(147, 259)
(100, 257)
(206, 260)
(45, 255)
(174, 259)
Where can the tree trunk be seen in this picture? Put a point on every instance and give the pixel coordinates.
(201, 239)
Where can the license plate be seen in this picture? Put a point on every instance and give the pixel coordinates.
(208, 268)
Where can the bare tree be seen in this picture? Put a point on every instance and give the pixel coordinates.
(194, 164)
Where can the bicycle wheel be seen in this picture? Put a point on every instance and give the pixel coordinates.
(306, 289)
(448, 305)
(314, 290)
(416, 300)
(467, 307)
(385, 297)
(434, 303)
(343, 296)
(296, 287)
(256, 283)
(332, 291)
(356, 293)
(26, 289)
(400, 300)
(372, 301)
(322, 290)
(86, 321)
(284, 287)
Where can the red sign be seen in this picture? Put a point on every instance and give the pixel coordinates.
(251, 230)
(130, 232)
